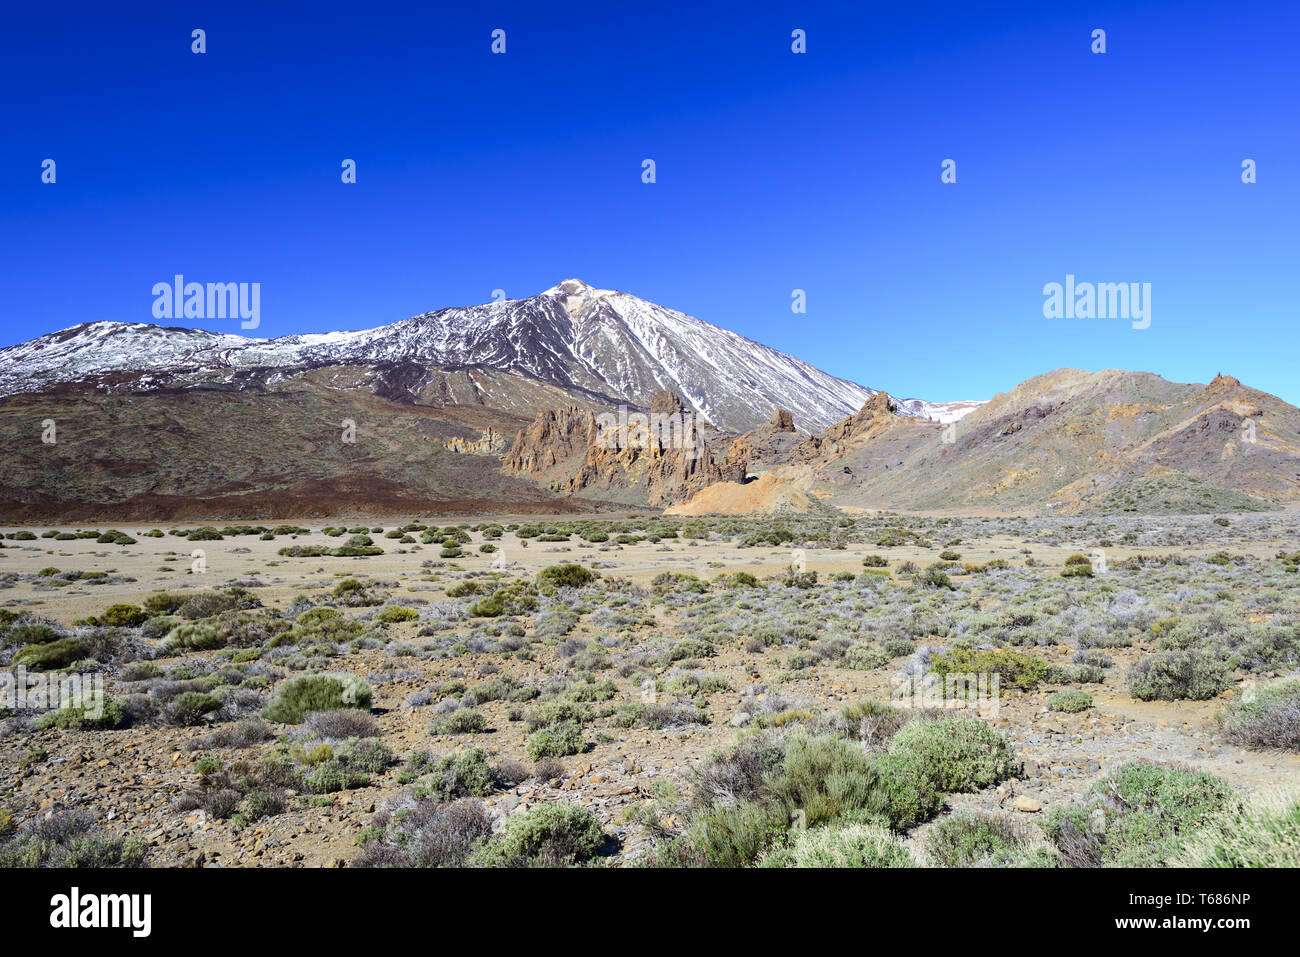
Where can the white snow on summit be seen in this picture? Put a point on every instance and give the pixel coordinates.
(606, 344)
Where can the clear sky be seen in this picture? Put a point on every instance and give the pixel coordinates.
(775, 171)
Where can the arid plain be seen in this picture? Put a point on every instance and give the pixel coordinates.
(632, 669)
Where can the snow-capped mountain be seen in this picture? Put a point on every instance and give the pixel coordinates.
(944, 412)
(606, 345)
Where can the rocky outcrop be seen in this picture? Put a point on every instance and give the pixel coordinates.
(877, 414)
(768, 445)
(490, 442)
(660, 457)
(554, 437)
(782, 420)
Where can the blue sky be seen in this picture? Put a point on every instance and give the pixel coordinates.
(775, 171)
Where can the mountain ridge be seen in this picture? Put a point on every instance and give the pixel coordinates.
(1068, 440)
(608, 346)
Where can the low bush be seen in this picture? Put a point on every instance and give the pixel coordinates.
(463, 774)
(189, 708)
(1071, 702)
(1265, 834)
(298, 697)
(1268, 719)
(53, 654)
(954, 754)
(123, 616)
(1014, 669)
(68, 840)
(557, 834)
(976, 839)
(110, 715)
(1138, 815)
(396, 613)
(855, 845)
(1177, 675)
(569, 575)
(734, 835)
(556, 741)
(461, 721)
(427, 834)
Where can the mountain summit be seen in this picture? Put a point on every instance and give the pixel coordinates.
(599, 346)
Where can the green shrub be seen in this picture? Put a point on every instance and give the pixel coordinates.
(873, 722)
(111, 715)
(1138, 815)
(855, 845)
(556, 741)
(1266, 834)
(113, 537)
(557, 834)
(189, 708)
(32, 633)
(69, 840)
(519, 598)
(237, 629)
(52, 654)
(208, 604)
(956, 754)
(332, 776)
(738, 580)
(822, 777)
(935, 578)
(569, 575)
(305, 551)
(462, 721)
(976, 839)
(123, 616)
(463, 774)
(1071, 702)
(462, 589)
(735, 835)
(1077, 566)
(1176, 675)
(909, 796)
(1075, 674)
(1014, 669)
(553, 833)
(1268, 719)
(354, 594)
(298, 697)
(554, 712)
(163, 603)
(396, 613)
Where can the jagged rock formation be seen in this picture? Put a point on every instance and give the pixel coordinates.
(782, 420)
(768, 445)
(554, 437)
(577, 452)
(490, 443)
(876, 416)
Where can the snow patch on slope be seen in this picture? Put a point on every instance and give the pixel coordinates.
(572, 336)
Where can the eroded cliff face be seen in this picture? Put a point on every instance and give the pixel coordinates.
(768, 445)
(877, 415)
(554, 437)
(659, 458)
(491, 442)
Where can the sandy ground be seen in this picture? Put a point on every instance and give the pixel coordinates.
(129, 778)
